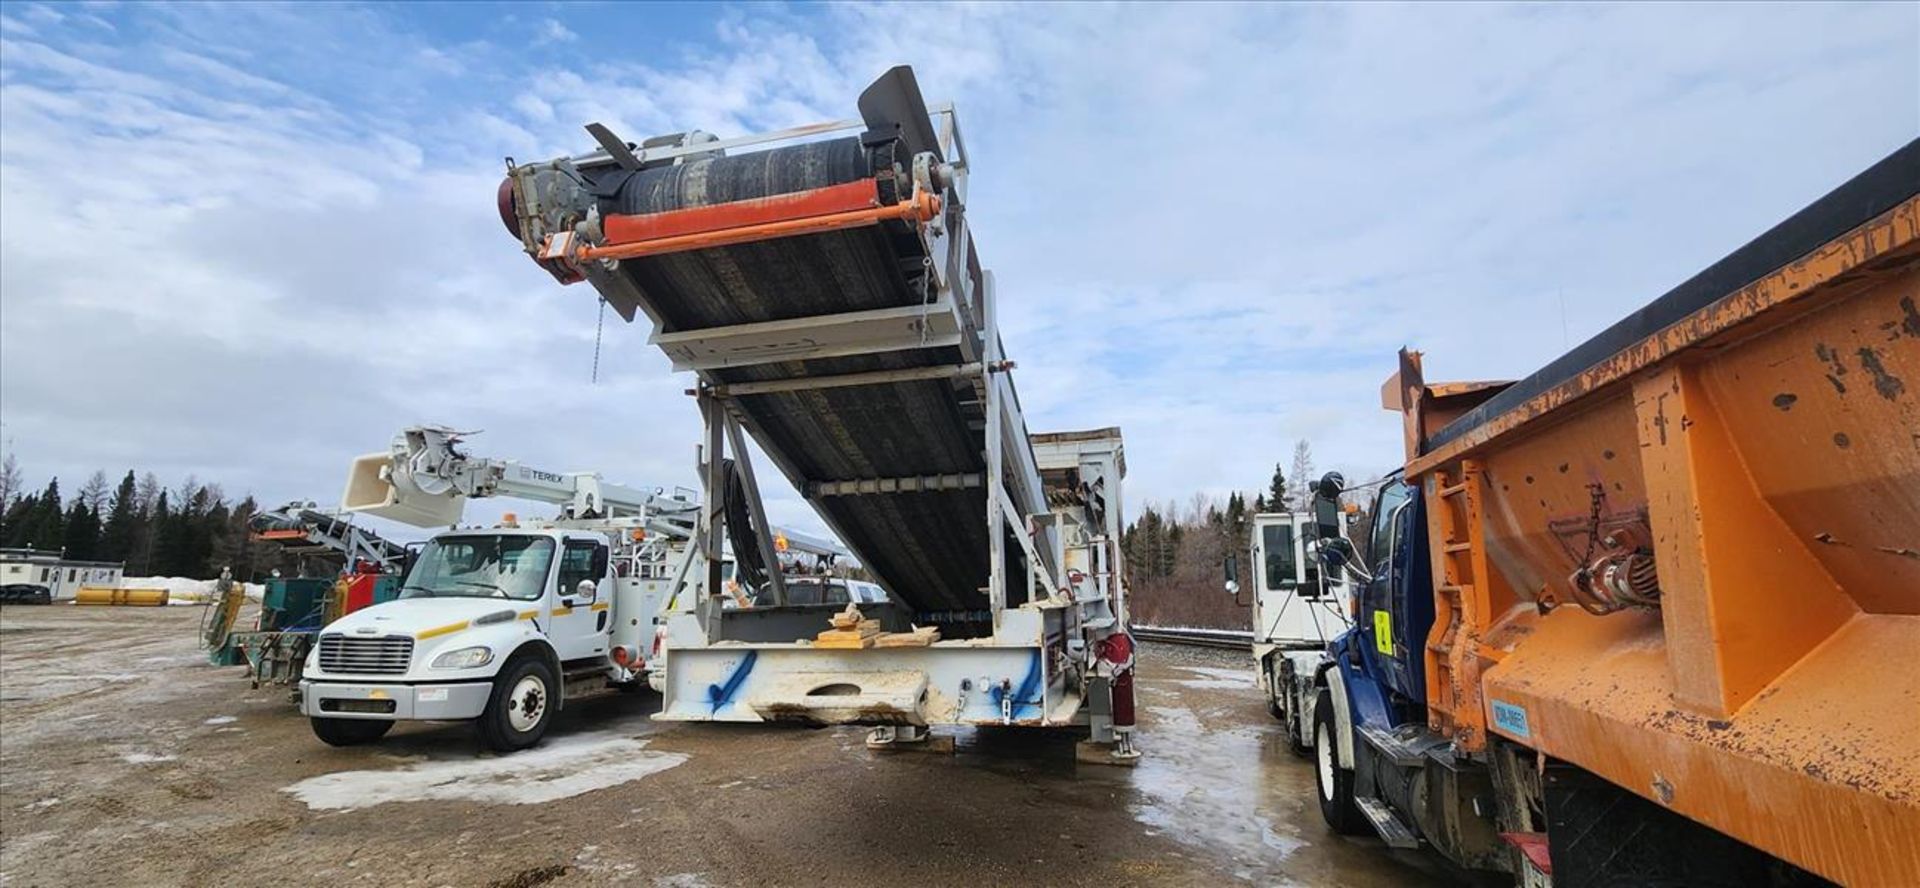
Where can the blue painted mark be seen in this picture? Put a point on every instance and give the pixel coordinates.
(721, 695)
(1027, 695)
(1511, 719)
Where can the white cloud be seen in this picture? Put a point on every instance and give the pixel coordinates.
(551, 31)
(1212, 225)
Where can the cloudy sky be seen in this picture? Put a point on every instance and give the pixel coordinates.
(249, 242)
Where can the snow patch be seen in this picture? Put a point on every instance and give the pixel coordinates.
(145, 758)
(220, 720)
(181, 590)
(560, 769)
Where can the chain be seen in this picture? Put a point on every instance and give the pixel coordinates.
(1593, 525)
(599, 321)
(926, 295)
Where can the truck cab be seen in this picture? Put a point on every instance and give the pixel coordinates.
(1297, 608)
(499, 626)
(1370, 716)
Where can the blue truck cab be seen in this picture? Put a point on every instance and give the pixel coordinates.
(1381, 659)
(1372, 746)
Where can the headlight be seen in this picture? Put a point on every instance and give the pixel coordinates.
(464, 658)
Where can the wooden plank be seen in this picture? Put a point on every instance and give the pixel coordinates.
(845, 640)
(921, 637)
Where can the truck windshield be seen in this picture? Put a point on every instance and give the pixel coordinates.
(482, 566)
(1277, 540)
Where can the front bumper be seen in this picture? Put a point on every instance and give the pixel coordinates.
(393, 702)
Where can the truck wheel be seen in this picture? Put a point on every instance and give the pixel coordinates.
(1334, 782)
(349, 731)
(521, 707)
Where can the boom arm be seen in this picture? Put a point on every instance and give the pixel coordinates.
(424, 479)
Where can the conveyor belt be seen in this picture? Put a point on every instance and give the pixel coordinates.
(930, 548)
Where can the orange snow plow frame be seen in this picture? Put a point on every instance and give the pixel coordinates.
(831, 208)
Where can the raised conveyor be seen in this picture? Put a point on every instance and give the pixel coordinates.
(777, 323)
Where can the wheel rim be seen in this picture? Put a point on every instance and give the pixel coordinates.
(526, 704)
(1323, 755)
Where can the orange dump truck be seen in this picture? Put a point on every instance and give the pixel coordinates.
(1652, 615)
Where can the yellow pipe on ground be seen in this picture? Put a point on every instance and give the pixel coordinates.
(129, 597)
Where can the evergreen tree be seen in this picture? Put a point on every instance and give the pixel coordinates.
(237, 548)
(48, 524)
(156, 540)
(82, 532)
(17, 522)
(1259, 503)
(1236, 518)
(173, 544)
(219, 530)
(1277, 490)
(196, 536)
(116, 533)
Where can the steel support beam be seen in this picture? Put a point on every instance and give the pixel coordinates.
(845, 380)
(996, 471)
(713, 498)
(756, 510)
(935, 325)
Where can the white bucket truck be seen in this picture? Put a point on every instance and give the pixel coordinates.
(499, 625)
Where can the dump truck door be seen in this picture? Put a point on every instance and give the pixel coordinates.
(1396, 606)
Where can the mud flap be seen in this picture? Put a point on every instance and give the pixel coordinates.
(1600, 836)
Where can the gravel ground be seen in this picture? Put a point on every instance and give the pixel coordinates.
(123, 752)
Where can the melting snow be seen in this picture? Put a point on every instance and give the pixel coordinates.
(1219, 679)
(144, 758)
(560, 769)
(220, 720)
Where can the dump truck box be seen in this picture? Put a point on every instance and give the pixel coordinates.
(1686, 556)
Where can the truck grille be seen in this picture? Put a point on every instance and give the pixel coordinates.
(387, 655)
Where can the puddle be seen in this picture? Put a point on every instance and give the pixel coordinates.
(1218, 679)
(559, 769)
(1186, 794)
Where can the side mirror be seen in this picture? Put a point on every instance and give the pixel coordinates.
(1326, 506)
(1232, 570)
(586, 591)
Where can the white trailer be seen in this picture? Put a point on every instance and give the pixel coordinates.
(1297, 608)
(822, 284)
